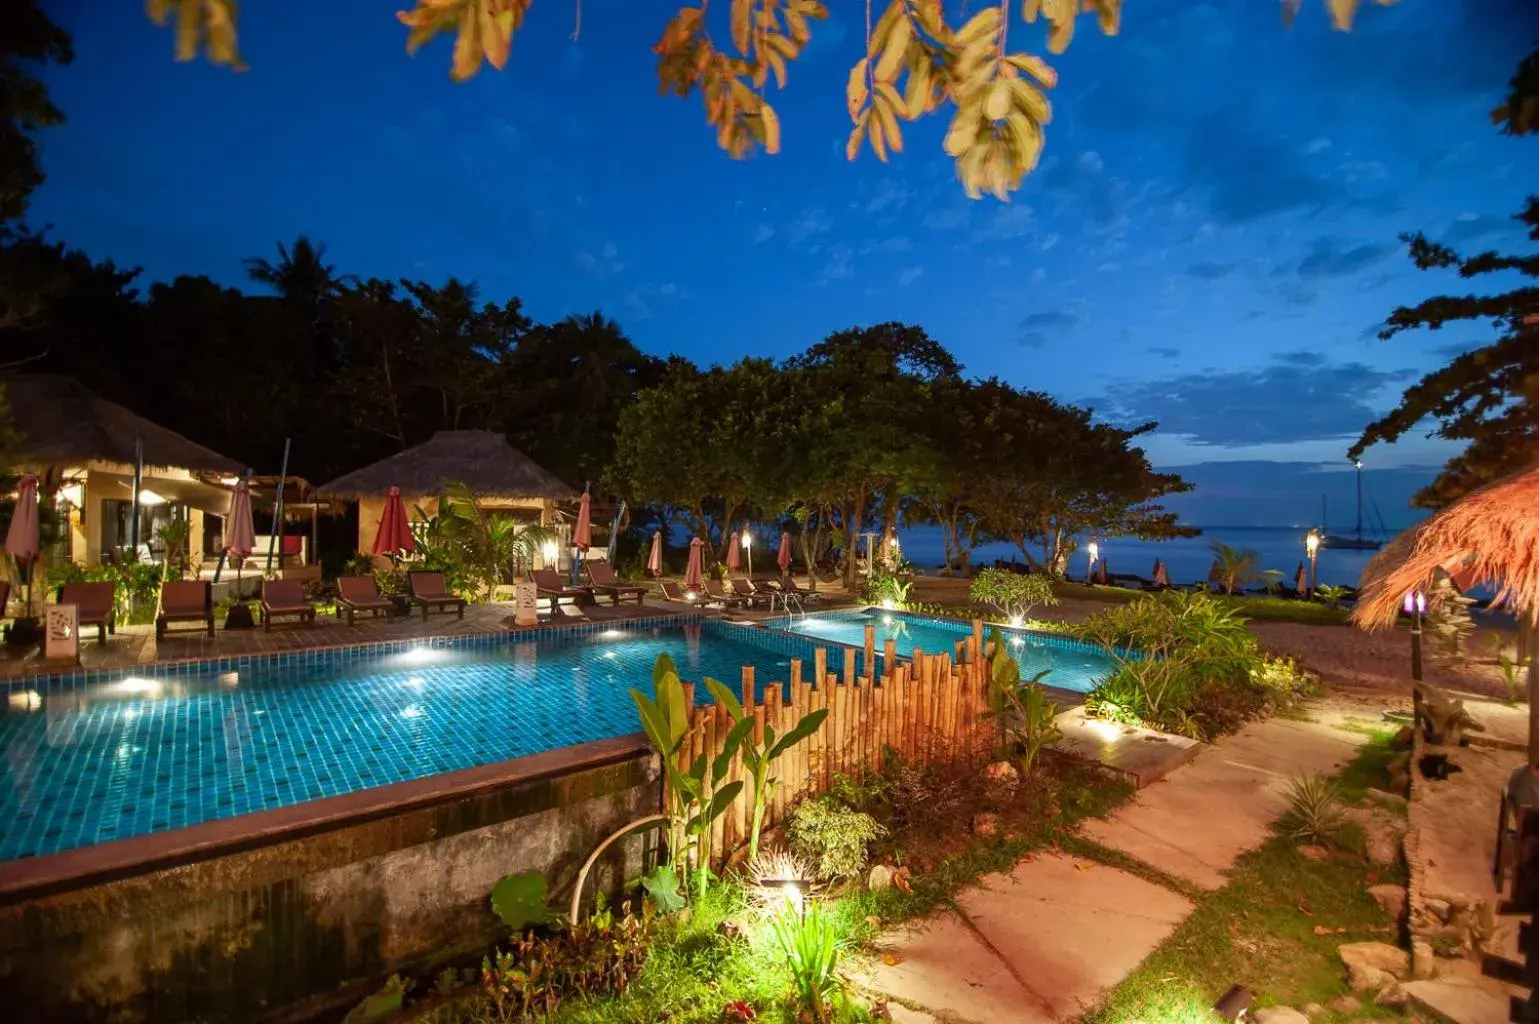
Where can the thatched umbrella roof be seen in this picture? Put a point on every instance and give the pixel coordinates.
(481, 460)
(63, 423)
(1489, 537)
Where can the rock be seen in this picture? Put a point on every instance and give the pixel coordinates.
(1386, 799)
(1363, 978)
(1311, 1009)
(1440, 909)
(1312, 852)
(1000, 780)
(1380, 956)
(1423, 959)
(1393, 994)
(880, 878)
(1344, 1004)
(1277, 1015)
(1403, 736)
(1381, 833)
(985, 824)
(1391, 898)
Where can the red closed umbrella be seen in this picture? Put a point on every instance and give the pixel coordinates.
(784, 558)
(655, 557)
(21, 540)
(582, 534)
(692, 573)
(1100, 571)
(1161, 574)
(394, 534)
(734, 557)
(1301, 581)
(239, 534)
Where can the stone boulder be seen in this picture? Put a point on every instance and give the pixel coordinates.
(1371, 966)
(1277, 1015)
(1392, 898)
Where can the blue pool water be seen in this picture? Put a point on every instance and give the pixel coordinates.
(1071, 664)
(103, 760)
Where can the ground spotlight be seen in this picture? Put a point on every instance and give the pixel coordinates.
(1233, 1004)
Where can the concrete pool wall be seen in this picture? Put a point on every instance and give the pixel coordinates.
(283, 914)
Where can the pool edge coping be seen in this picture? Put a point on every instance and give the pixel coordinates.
(118, 859)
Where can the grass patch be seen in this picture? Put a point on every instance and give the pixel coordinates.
(1255, 607)
(1260, 930)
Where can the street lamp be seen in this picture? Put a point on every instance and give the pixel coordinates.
(748, 550)
(551, 551)
(1095, 552)
(1416, 607)
(1312, 545)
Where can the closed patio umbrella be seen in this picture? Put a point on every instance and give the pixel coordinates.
(1161, 574)
(784, 558)
(655, 557)
(692, 573)
(582, 534)
(394, 535)
(734, 559)
(1100, 571)
(239, 542)
(1301, 581)
(21, 540)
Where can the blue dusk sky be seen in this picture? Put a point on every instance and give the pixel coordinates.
(1210, 240)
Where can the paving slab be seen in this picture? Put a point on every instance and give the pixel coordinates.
(941, 966)
(1460, 1003)
(1235, 788)
(1072, 928)
(1142, 755)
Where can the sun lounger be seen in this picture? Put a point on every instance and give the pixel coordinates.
(549, 584)
(788, 585)
(5, 596)
(747, 590)
(602, 574)
(430, 590)
(715, 590)
(673, 592)
(360, 594)
(285, 598)
(185, 601)
(98, 606)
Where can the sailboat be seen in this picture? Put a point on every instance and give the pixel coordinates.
(1355, 542)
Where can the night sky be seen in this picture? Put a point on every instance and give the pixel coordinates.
(1210, 240)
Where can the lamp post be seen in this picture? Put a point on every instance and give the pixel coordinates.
(1095, 552)
(748, 550)
(551, 551)
(1312, 545)
(1416, 607)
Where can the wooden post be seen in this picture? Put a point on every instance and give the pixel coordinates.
(713, 838)
(977, 651)
(820, 666)
(849, 666)
(870, 653)
(749, 700)
(772, 700)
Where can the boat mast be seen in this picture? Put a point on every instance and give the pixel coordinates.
(1358, 465)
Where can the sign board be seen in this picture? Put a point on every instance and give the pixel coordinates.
(61, 632)
(526, 600)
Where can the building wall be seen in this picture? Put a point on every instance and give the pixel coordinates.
(290, 927)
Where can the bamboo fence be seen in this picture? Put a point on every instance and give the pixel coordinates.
(928, 710)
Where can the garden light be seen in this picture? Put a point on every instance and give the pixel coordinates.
(1233, 1004)
(1415, 606)
(887, 604)
(148, 497)
(1312, 548)
(1017, 621)
(73, 493)
(1095, 552)
(791, 890)
(550, 551)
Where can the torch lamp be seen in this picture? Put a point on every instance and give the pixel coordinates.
(1312, 546)
(748, 551)
(1416, 607)
(1095, 552)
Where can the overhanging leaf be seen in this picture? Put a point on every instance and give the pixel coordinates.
(662, 888)
(806, 727)
(519, 900)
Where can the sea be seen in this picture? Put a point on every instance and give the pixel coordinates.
(1187, 559)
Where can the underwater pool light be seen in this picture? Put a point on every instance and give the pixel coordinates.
(25, 700)
(138, 686)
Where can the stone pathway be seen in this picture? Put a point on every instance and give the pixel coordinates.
(1043, 943)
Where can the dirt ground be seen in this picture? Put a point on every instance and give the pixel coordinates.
(1373, 666)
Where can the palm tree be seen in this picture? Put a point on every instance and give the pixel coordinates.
(1236, 566)
(301, 275)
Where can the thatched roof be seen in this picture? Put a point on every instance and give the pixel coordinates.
(63, 423)
(1490, 537)
(479, 459)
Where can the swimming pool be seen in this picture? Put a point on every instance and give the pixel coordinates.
(89, 759)
(1071, 664)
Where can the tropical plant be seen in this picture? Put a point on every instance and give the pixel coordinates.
(920, 58)
(1028, 720)
(809, 940)
(1235, 567)
(1314, 812)
(498, 547)
(1332, 594)
(1012, 594)
(1272, 579)
(1510, 668)
(885, 589)
(833, 837)
(759, 758)
(519, 901)
(696, 796)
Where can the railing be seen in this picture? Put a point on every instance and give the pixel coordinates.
(929, 709)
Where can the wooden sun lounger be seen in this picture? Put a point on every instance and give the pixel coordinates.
(749, 591)
(98, 606)
(360, 594)
(549, 584)
(604, 580)
(185, 601)
(429, 590)
(720, 596)
(286, 598)
(788, 585)
(673, 592)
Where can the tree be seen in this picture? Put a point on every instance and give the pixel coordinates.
(1235, 567)
(1487, 397)
(1058, 474)
(958, 453)
(916, 62)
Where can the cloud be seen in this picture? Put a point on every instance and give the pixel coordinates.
(888, 195)
(840, 265)
(1063, 318)
(1166, 353)
(1037, 329)
(909, 275)
(1038, 275)
(1205, 270)
(947, 218)
(763, 233)
(891, 244)
(1331, 256)
(1315, 145)
(1472, 227)
(1297, 397)
(605, 264)
(1246, 175)
(807, 224)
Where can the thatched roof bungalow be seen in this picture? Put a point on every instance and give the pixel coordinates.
(1490, 537)
(499, 475)
(81, 446)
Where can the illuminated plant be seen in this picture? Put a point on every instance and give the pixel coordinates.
(758, 758)
(1012, 594)
(916, 63)
(1027, 719)
(807, 937)
(776, 877)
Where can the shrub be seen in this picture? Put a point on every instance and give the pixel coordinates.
(1012, 594)
(833, 837)
(1314, 810)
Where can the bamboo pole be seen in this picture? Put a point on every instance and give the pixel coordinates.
(868, 649)
(849, 666)
(772, 701)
